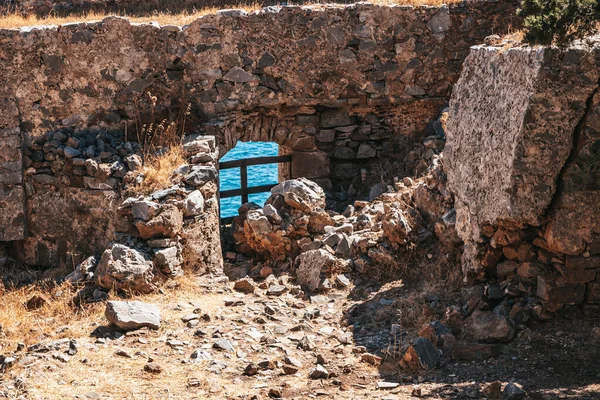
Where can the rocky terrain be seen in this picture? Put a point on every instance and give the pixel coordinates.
(263, 339)
(435, 237)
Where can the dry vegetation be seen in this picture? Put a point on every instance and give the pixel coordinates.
(165, 18)
(158, 170)
(161, 144)
(60, 319)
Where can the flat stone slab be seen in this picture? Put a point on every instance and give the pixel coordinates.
(130, 315)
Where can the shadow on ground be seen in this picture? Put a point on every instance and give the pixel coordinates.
(554, 359)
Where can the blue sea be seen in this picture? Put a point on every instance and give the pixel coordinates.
(257, 174)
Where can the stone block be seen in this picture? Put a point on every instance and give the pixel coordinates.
(570, 276)
(582, 262)
(507, 168)
(334, 117)
(593, 292)
(550, 291)
(12, 213)
(311, 165)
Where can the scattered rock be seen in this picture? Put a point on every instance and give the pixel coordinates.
(421, 355)
(200, 355)
(485, 326)
(125, 269)
(382, 385)
(251, 369)
(152, 368)
(276, 290)
(36, 302)
(493, 391)
(132, 315)
(289, 369)
(223, 344)
(514, 391)
(319, 372)
(244, 285)
(370, 359)
(309, 266)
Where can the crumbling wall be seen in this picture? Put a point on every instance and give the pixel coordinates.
(319, 78)
(338, 87)
(521, 159)
(12, 199)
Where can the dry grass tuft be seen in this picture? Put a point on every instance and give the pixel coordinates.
(20, 325)
(158, 170)
(13, 21)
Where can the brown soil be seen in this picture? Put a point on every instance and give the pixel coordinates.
(556, 359)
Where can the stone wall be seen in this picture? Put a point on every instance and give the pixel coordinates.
(338, 87)
(522, 159)
(382, 71)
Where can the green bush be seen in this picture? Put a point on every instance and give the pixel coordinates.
(559, 21)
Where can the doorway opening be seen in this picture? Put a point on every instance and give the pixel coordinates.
(247, 173)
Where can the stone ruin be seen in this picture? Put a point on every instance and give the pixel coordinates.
(521, 159)
(503, 182)
(338, 87)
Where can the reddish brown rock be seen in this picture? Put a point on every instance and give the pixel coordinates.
(485, 326)
(422, 355)
(36, 302)
(550, 291)
(582, 262)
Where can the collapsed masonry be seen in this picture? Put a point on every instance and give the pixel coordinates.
(340, 87)
(159, 234)
(521, 156)
(294, 231)
(522, 160)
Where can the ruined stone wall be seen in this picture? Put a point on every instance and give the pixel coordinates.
(522, 159)
(390, 69)
(338, 87)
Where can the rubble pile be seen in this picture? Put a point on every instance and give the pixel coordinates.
(294, 230)
(163, 232)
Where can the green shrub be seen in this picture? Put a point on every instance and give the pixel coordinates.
(559, 21)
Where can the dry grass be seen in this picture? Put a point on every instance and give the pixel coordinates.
(20, 325)
(158, 170)
(17, 21)
(104, 372)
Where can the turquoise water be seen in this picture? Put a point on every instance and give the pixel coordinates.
(257, 174)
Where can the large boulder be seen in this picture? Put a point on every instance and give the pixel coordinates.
(125, 269)
(130, 315)
(309, 266)
(517, 122)
(302, 194)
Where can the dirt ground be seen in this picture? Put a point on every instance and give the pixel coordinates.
(551, 360)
